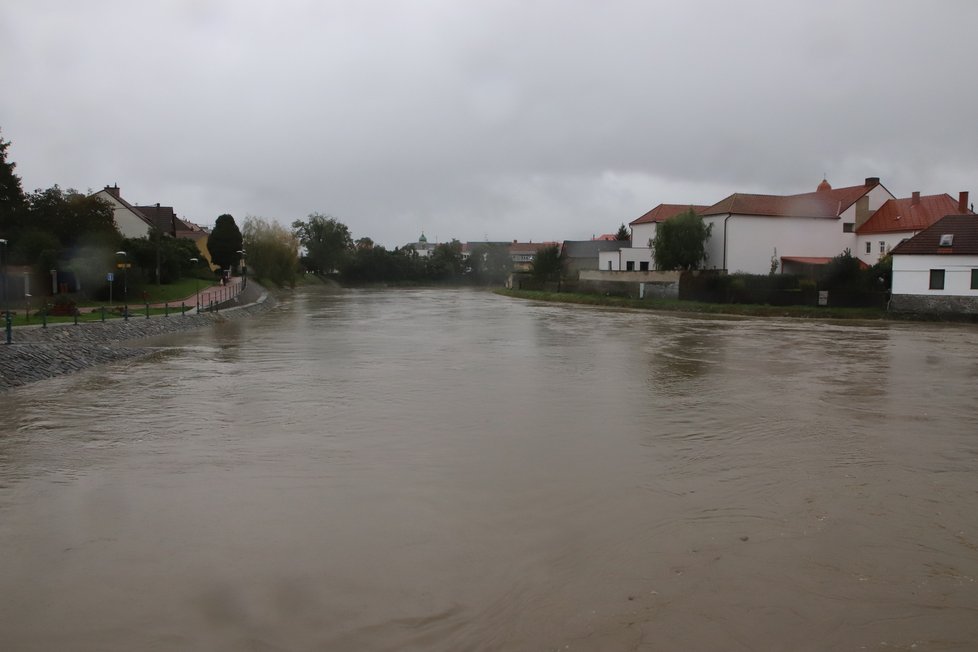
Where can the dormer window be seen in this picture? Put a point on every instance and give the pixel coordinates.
(947, 240)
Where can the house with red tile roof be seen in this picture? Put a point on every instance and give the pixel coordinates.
(937, 269)
(636, 254)
(901, 219)
(129, 220)
(522, 253)
(137, 221)
(756, 233)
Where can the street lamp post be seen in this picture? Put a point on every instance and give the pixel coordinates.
(196, 284)
(125, 282)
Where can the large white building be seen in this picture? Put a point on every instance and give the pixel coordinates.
(756, 234)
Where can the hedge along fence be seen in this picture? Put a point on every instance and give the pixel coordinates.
(774, 290)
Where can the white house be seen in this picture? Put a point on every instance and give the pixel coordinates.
(129, 220)
(901, 219)
(757, 233)
(937, 270)
(637, 256)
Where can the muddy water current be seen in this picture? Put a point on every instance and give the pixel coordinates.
(454, 470)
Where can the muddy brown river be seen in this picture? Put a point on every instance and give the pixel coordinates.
(454, 470)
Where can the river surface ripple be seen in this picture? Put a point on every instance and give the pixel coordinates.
(454, 470)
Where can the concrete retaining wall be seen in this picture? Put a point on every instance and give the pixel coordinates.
(934, 304)
(37, 353)
(632, 284)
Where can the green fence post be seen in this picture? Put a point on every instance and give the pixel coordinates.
(103, 313)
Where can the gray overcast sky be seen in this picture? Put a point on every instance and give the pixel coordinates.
(529, 120)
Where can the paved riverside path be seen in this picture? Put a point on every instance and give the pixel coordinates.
(37, 353)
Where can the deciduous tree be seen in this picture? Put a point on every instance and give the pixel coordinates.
(680, 242)
(547, 265)
(273, 251)
(327, 242)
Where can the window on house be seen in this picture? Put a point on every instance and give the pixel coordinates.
(847, 227)
(936, 279)
(869, 247)
(630, 266)
(882, 247)
(644, 266)
(974, 279)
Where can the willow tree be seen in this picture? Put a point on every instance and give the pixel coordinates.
(680, 242)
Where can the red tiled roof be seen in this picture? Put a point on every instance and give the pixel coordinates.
(964, 228)
(904, 215)
(663, 212)
(821, 203)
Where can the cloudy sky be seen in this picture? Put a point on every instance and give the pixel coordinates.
(473, 119)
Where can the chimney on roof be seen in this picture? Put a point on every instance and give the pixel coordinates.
(916, 198)
(872, 181)
(862, 211)
(114, 190)
(963, 202)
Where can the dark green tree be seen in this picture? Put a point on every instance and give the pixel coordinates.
(224, 242)
(12, 200)
(73, 218)
(623, 233)
(445, 262)
(327, 242)
(547, 265)
(680, 242)
(843, 272)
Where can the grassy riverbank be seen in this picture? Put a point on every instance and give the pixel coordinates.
(675, 305)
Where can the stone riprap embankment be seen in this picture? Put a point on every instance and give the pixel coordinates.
(37, 353)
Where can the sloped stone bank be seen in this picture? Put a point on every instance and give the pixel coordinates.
(37, 353)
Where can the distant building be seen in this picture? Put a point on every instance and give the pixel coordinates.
(421, 247)
(581, 255)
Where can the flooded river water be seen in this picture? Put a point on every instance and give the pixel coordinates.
(454, 470)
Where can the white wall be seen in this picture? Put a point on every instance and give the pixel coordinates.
(911, 274)
(753, 240)
(642, 234)
(128, 223)
(889, 241)
(617, 261)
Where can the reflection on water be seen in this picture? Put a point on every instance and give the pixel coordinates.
(444, 470)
